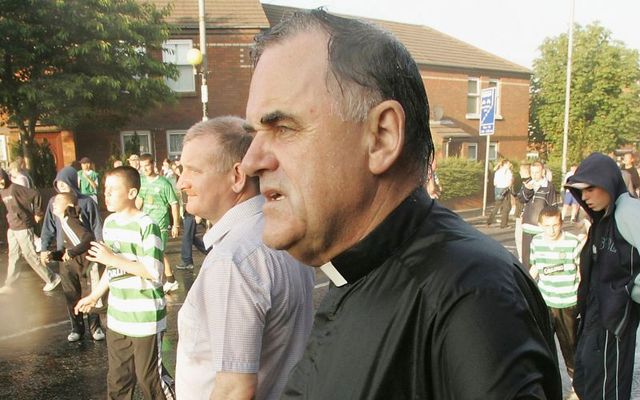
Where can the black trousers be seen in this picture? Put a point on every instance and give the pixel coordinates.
(526, 250)
(564, 322)
(604, 362)
(502, 205)
(75, 275)
(137, 360)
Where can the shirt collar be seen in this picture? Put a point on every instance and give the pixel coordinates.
(372, 251)
(235, 214)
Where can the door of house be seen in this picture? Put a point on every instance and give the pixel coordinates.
(55, 144)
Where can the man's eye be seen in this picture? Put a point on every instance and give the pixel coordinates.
(281, 129)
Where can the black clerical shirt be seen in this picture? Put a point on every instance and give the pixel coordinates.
(428, 308)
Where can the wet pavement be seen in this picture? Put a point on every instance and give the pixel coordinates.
(37, 362)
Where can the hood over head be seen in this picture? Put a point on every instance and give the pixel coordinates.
(601, 171)
(68, 175)
(4, 176)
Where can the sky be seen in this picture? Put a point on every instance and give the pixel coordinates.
(511, 29)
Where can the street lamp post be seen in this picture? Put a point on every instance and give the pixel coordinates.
(198, 57)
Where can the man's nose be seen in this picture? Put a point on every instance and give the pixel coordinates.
(259, 157)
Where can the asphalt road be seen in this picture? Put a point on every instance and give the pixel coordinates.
(37, 362)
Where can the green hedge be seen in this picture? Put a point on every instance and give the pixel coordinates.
(460, 177)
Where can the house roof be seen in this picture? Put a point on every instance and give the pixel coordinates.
(428, 46)
(218, 13)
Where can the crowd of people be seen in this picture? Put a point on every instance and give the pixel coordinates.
(328, 171)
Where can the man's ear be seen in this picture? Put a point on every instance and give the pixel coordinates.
(133, 193)
(239, 178)
(386, 136)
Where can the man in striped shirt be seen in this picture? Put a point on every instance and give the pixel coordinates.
(555, 255)
(136, 314)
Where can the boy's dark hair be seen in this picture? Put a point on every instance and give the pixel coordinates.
(70, 197)
(147, 157)
(129, 175)
(550, 211)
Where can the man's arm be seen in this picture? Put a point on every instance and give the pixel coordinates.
(48, 233)
(234, 386)
(175, 228)
(87, 303)
(101, 253)
(494, 348)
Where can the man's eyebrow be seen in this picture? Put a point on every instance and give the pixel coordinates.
(274, 117)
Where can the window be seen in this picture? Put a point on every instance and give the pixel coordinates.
(128, 139)
(174, 143)
(473, 98)
(493, 151)
(175, 52)
(496, 84)
(472, 151)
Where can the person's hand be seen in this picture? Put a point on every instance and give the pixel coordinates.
(65, 256)
(102, 254)
(45, 257)
(175, 230)
(198, 220)
(37, 218)
(84, 305)
(528, 185)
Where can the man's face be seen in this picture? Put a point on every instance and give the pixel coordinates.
(552, 227)
(59, 205)
(85, 166)
(117, 195)
(62, 187)
(536, 172)
(628, 160)
(134, 162)
(596, 198)
(209, 191)
(147, 168)
(312, 165)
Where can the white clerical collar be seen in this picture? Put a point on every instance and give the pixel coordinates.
(332, 273)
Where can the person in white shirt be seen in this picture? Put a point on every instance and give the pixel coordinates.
(246, 319)
(502, 182)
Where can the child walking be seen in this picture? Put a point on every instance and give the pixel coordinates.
(555, 256)
(24, 210)
(136, 314)
(75, 267)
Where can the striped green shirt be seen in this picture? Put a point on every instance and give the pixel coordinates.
(136, 305)
(557, 265)
(157, 194)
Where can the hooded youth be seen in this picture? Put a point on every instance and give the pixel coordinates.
(22, 204)
(608, 263)
(88, 211)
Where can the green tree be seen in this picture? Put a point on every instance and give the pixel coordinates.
(67, 62)
(605, 94)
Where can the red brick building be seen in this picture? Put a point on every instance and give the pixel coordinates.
(453, 72)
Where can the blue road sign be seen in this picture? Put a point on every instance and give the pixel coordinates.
(488, 111)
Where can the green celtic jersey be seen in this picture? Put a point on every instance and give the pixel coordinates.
(83, 182)
(157, 194)
(557, 265)
(136, 305)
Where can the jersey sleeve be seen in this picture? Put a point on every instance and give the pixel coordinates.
(151, 256)
(169, 193)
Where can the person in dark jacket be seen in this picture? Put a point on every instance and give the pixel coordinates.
(609, 263)
(536, 194)
(67, 181)
(76, 268)
(24, 210)
(420, 305)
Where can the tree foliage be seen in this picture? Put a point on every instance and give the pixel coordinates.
(605, 93)
(66, 62)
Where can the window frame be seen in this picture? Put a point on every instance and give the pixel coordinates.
(173, 83)
(140, 133)
(170, 153)
(475, 115)
(475, 147)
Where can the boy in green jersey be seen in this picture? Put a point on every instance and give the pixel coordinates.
(136, 314)
(88, 179)
(555, 256)
(155, 198)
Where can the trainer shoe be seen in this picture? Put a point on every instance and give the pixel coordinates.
(74, 337)
(185, 267)
(53, 284)
(170, 286)
(98, 335)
